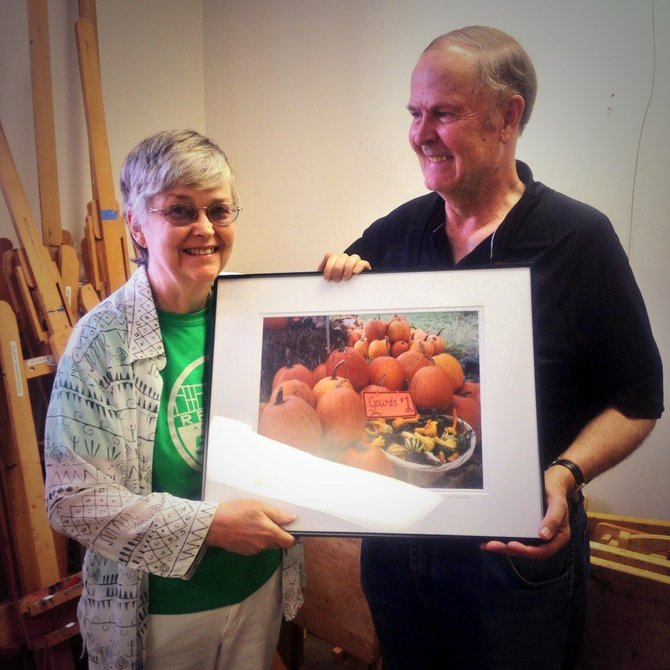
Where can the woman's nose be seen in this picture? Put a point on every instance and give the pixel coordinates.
(202, 223)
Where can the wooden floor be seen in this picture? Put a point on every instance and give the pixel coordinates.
(319, 656)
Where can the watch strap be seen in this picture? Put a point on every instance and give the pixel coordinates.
(576, 471)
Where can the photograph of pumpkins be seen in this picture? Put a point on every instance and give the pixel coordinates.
(398, 395)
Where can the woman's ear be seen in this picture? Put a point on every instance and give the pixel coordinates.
(135, 228)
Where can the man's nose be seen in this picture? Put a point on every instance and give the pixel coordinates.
(423, 130)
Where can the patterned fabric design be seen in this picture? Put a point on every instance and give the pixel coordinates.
(293, 580)
(98, 452)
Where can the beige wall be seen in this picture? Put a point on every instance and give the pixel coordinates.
(152, 76)
(308, 99)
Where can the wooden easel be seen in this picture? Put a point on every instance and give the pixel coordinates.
(37, 562)
(629, 593)
(105, 244)
(43, 614)
(57, 240)
(41, 297)
(39, 304)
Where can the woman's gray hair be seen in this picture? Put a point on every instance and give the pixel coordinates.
(503, 66)
(167, 160)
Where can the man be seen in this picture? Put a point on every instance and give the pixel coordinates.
(463, 603)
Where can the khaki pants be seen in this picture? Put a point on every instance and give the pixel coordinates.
(238, 637)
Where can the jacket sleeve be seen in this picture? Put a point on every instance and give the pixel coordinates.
(98, 454)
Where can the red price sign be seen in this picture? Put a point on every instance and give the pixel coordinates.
(388, 405)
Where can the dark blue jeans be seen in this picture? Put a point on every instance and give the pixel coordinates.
(443, 603)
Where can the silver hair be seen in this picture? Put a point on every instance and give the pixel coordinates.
(169, 159)
(504, 67)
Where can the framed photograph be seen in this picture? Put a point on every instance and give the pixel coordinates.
(393, 403)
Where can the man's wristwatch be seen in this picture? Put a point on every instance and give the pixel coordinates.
(580, 480)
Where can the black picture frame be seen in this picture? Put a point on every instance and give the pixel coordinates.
(495, 489)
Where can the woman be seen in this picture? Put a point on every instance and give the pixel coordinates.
(170, 581)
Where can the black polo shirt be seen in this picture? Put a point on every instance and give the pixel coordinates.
(593, 342)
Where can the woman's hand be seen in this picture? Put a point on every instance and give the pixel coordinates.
(336, 267)
(249, 526)
(555, 527)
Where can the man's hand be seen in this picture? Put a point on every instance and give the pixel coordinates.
(336, 267)
(554, 529)
(248, 526)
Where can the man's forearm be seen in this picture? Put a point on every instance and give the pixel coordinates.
(607, 440)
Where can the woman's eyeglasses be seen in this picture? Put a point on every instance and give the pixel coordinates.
(184, 214)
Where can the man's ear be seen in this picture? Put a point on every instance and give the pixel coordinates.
(513, 112)
(135, 228)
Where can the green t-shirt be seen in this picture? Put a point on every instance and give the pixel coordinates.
(221, 578)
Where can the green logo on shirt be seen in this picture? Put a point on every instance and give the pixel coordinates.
(184, 414)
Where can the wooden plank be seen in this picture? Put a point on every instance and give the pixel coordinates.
(625, 558)
(8, 290)
(28, 307)
(88, 298)
(33, 537)
(68, 268)
(45, 133)
(629, 612)
(50, 622)
(68, 588)
(39, 366)
(643, 525)
(58, 636)
(111, 241)
(646, 543)
(608, 533)
(88, 10)
(335, 609)
(11, 639)
(632, 539)
(89, 257)
(15, 290)
(49, 297)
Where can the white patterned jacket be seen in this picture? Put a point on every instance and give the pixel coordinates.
(99, 442)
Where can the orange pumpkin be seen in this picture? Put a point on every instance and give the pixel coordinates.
(422, 346)
(399, 329)
(411, 361)
(361, 347)
(399, 347)
(355, 367)
(353, 335)
(295, 387)
(342, 417)
(330, 382)
(469, 409)
(375, 329)
(439, 345)
(452, 367)
(388, 372)
(469, 388)
(431, 389)
(293, 370)
(292, 421)
(367, 457)
(319, 372)
(378, 348)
